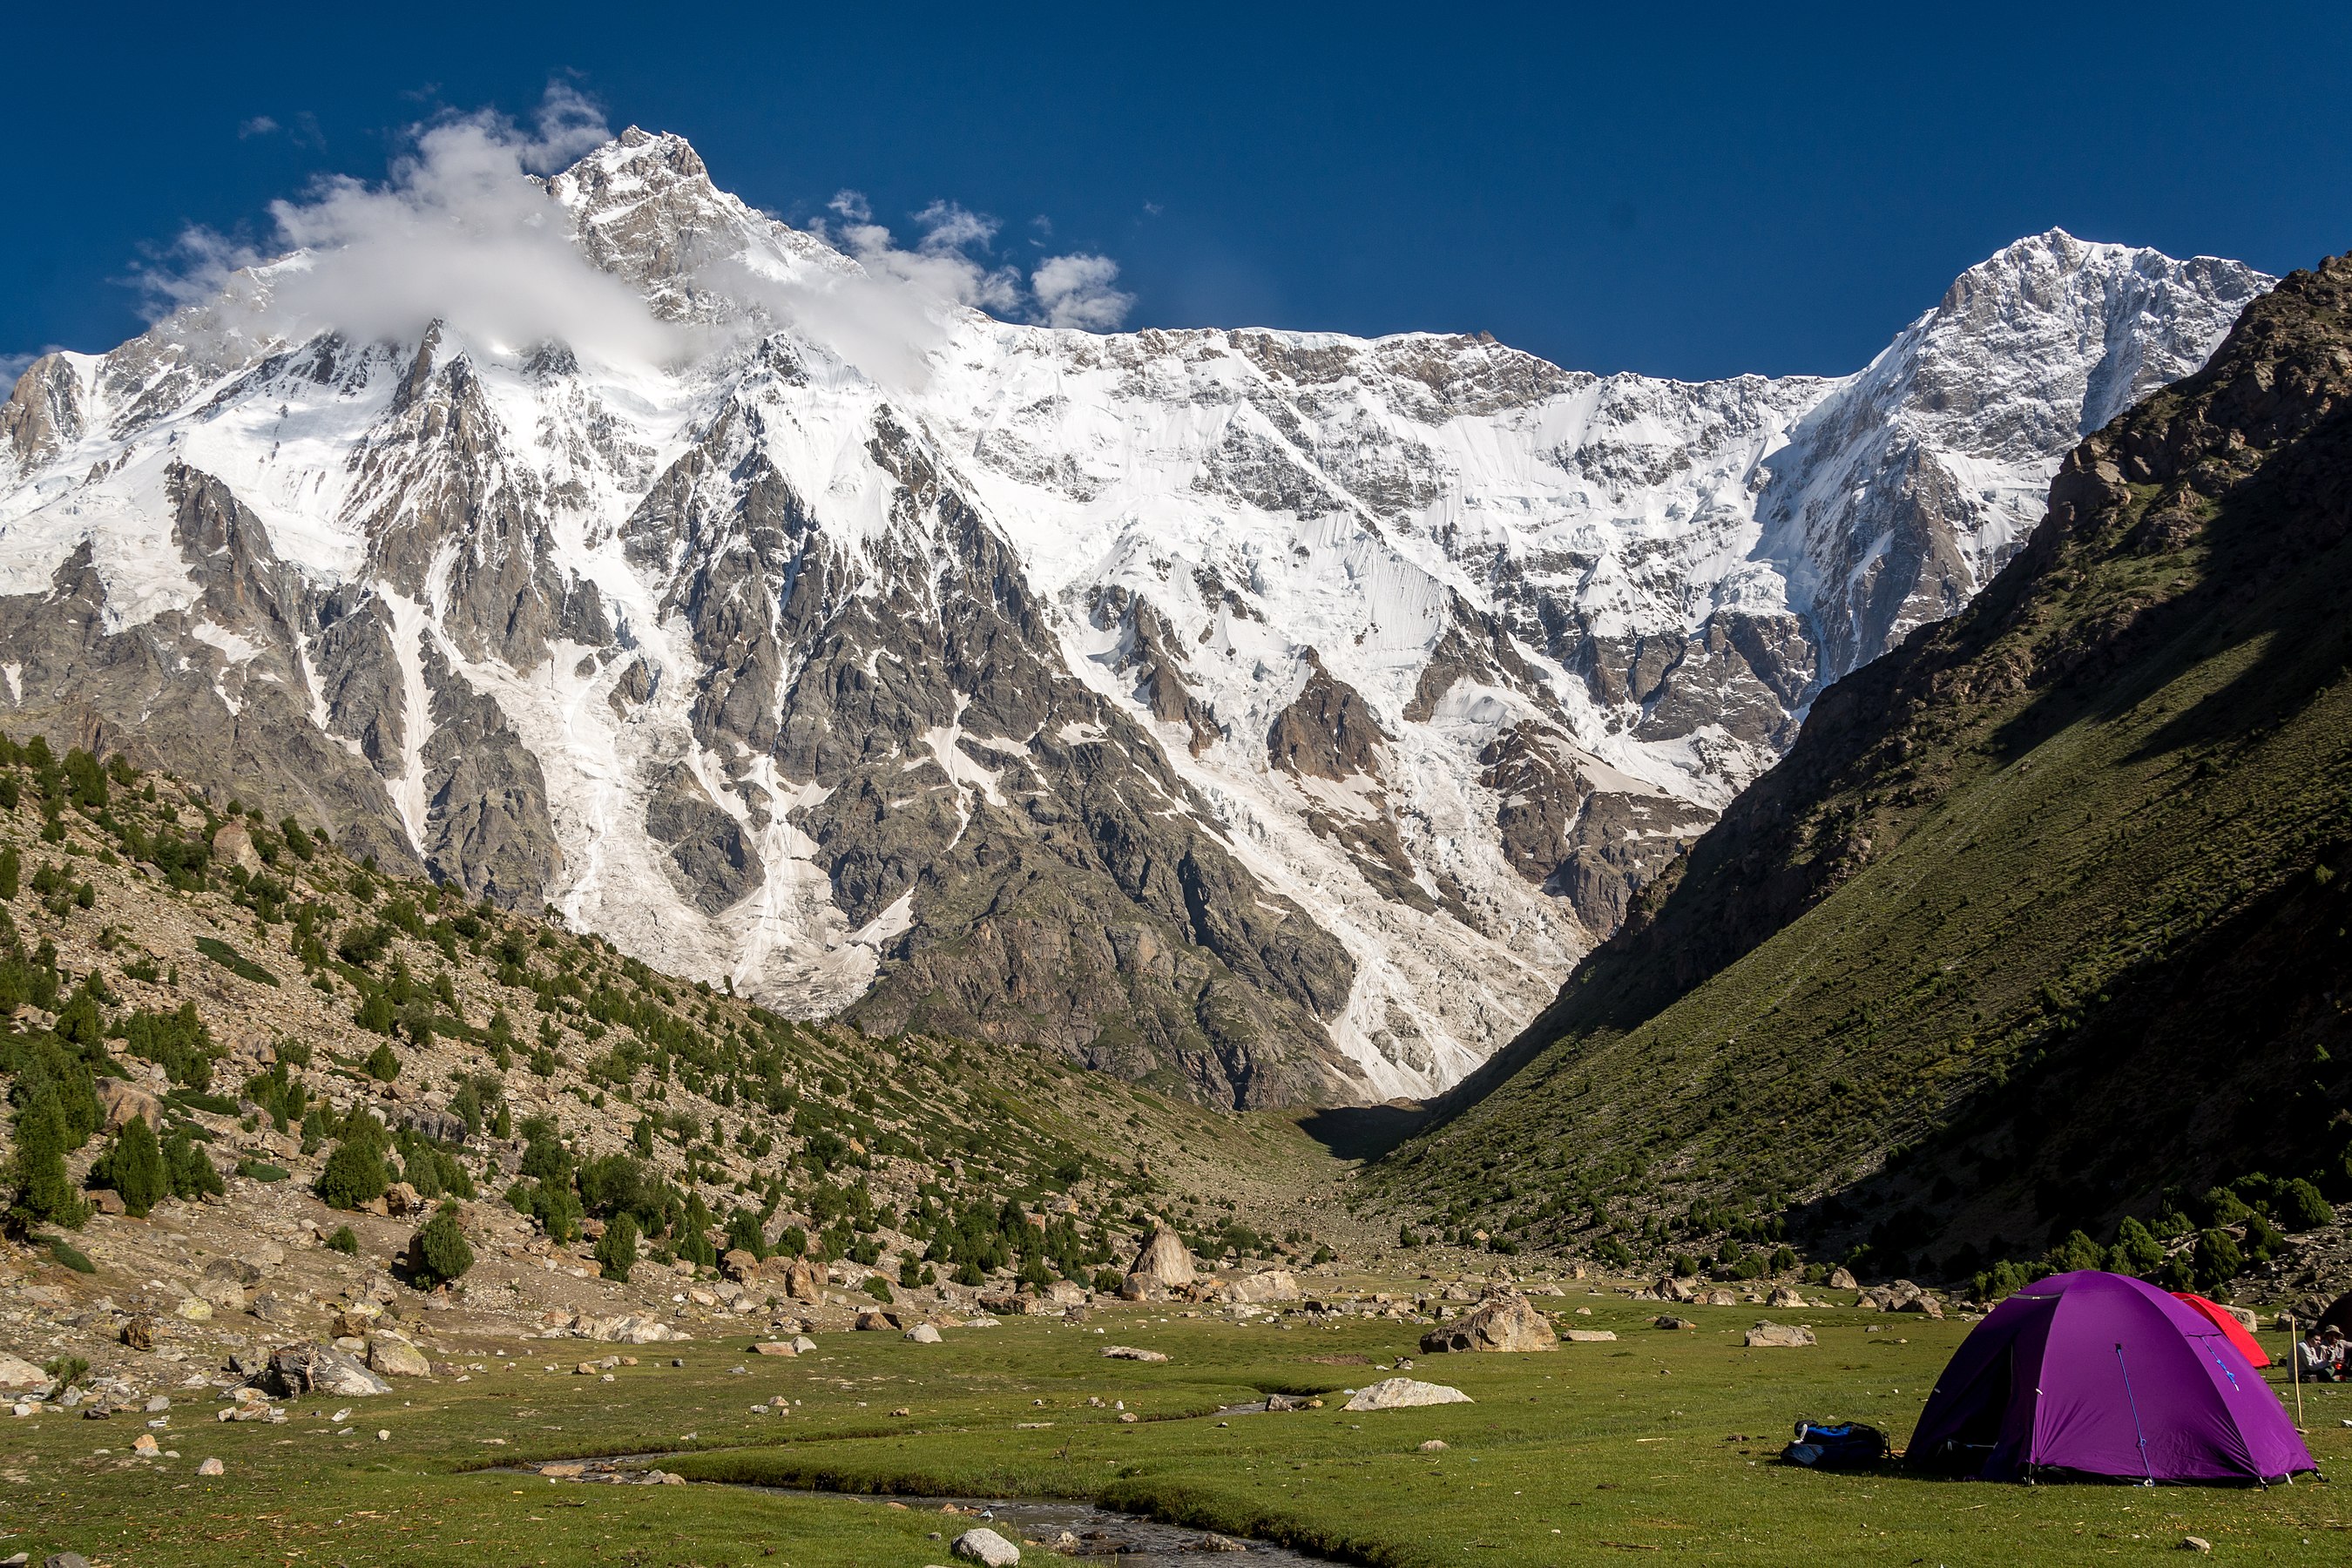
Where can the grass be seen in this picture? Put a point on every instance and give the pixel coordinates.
(235, 963)
(1661, 1441)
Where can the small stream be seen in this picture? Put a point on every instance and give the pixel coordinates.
(1097, 1531)
(1093, 1532)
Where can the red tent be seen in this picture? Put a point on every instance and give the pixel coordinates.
(2248, 1346)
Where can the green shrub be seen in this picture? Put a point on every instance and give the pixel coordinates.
(190, 1172)
(2301, 1206)
(354, 1172)
(65, 1372)
(2137, 1251)
(344, 1242)
(438, 1253)
(133, 1167)
(261, 1171)
(70, 1256)
(40, 1191)
(880, 1288)
(383, 1064)
(235, 963)
(2218, 1261)
(616, 1249)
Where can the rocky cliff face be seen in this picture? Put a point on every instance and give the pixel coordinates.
(1277, 714)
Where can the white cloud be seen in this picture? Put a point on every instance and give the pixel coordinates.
(949, 260)
(455, 233)
(259, 125)
(1075, 291)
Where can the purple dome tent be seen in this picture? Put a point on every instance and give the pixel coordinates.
(2102, 1374)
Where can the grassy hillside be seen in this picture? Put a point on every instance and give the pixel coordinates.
(283, 1003)
(2040, 925)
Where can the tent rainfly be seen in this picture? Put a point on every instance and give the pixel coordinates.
(2093, 1373)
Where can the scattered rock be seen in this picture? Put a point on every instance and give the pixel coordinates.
(922, 1334)
(145, 1445)
(1843, 1279)
(1434, 1446)
(2195, 1544)
(212, 1468)
(1590, 1336)
(1215, 1542)
(1129, 1353)
(987, 1548)
(139, 1333)
(15, 1372)
(1508, 1321)
(1403, 1394)
(1783, 1296)
(1668, 1320)
(773, 1347)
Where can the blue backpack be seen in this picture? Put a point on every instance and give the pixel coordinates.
(1849, 1446)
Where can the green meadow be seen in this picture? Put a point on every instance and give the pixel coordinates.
(1660, 1442)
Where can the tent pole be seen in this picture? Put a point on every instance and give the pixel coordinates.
(2294, 1371)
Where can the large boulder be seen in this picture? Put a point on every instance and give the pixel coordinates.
(1784, 1336)
(121, 1101)
(1505, 1321)
(1843, 1279)
(15, 1372)
(1268, 1285)
(1163, 1264)
(987, 1548)
(804, 1281)
(296, 1370)
(739, 1264)
(396, 1357)
(1403, 1394)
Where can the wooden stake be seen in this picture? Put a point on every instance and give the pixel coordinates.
(2295, 1370)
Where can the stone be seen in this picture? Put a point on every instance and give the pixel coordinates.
(739, 1264)
(1266, 1285)
(1590, 1336)
(121, 1101)
(987, 1548)
(1783, 1296)
(1129, 1353)
(396, 1357)
(212, 1468)
(1843, 1279)
(1434, 1446)
(773, 1347)
(1404, 1394)
(400, 1198)
(804, 1281)
(1505, 1321)
(1780, 1335)
(1215, 1542)
(320, 1369)
(194, 1309)
(145, 1445)
(1721, 1297)
(922, 1334)
(1668, 1320)
(15, 1372)
(802, 1344)
(65, 1560)
(107, 1201)
(1162, 1264)
(233, 845)
(2195, 1544)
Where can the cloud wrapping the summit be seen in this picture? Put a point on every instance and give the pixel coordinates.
(459, 232)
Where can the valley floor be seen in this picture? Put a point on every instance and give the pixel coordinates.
(1658, 1441)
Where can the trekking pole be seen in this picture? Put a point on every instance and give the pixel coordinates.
(2294, 1371)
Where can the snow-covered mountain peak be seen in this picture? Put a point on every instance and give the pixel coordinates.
(1279, 714)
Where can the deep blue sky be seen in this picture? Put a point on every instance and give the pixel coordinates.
(1683, 189)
